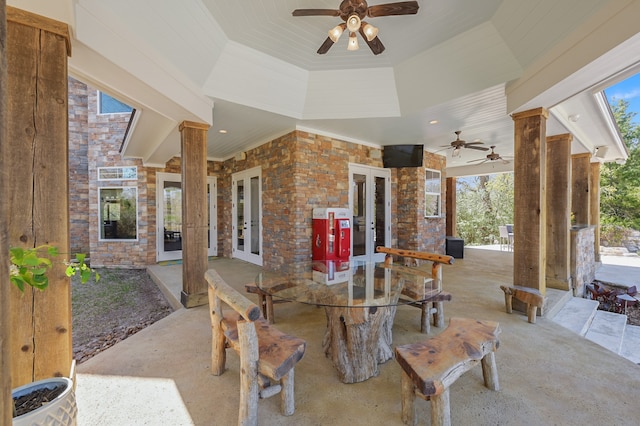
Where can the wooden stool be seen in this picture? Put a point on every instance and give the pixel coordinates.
(431, 366)
(530, 296)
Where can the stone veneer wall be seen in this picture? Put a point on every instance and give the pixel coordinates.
(300, 171)
(583, 262)
(416, 232)
(78, 168)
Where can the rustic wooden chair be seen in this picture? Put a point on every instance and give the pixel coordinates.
(434, 305)
(267, 355)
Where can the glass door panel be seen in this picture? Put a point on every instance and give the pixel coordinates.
(247, 215)
(169, 216)
(370, 204)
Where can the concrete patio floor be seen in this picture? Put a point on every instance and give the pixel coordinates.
(548, 375)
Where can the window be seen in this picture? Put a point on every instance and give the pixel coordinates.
(118, 173)
(109, 105)
(432, 193)
(118, 213)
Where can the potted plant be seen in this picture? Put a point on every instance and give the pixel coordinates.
(52, 400)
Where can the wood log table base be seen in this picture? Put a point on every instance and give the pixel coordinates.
(430, 367)
(357, 340)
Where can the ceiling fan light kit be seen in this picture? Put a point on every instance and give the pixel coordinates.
(353, 42)
(352, 12)
(336, 32)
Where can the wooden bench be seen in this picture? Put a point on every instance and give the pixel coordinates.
(532, 297)
(430, 367)
(265, 301)
(267, 355)
(430, 305)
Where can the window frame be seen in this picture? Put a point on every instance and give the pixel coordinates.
(101, 221)
(430, 176)
(100, 178)
(99, 101)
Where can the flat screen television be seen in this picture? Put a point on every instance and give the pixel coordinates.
(402, 155)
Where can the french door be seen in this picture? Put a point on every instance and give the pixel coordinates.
(247, 215)
(370, 205)
(169, 216)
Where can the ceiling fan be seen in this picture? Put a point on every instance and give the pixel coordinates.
(352, 13)
(458, 144)
(493, 156)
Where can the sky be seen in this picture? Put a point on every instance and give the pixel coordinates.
(628, 90)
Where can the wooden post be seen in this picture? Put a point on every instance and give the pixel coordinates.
(595, 206)
(36, 171)
(5, 286)
(194, 213)
(580, 183)
(558, 268)
(530, 207)
(451, 230)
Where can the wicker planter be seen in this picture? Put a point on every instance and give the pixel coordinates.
(62, 411)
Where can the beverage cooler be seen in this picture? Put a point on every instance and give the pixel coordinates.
(331, 244)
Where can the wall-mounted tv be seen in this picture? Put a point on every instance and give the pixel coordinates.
(402, 155)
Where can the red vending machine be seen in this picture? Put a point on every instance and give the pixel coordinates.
(331, 242)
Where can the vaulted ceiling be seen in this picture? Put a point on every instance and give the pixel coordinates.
(251, 68)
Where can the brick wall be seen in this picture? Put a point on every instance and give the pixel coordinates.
(414, 231)
(78, 168)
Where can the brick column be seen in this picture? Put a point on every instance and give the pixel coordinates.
(530, 202)
(194, 213)
(595, 207)
(558, 271)
(580, 183)
(37, 175)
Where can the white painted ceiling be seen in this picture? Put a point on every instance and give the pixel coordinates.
(251, 68)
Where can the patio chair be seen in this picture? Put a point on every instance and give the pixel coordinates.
(505, 238)
(267, 355)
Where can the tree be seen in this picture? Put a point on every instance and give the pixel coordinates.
(483, 203)
(620, 183)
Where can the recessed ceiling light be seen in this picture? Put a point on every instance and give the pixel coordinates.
(433, 122)
(223, 131)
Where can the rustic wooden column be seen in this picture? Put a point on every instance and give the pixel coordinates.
(36, 172)
(580, 183)
(451, 207)
(595, 206)
(5, 290)
(558, 268)
(194, 213)
(530, 202)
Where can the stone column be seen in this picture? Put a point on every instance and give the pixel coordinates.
(451, 207)
(36, 172)
(595, 207)
(580, 183)
(530, 201)
(194, 213)
(558, 272)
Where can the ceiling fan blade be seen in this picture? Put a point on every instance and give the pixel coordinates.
(316, 12)
(388, 9)
(325, 46)
(375, 45)
(479, 148)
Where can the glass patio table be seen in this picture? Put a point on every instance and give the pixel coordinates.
(360, 301)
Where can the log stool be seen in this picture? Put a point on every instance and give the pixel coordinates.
(265, 301)
(431, 366)
(530, 296)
